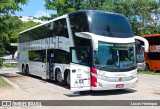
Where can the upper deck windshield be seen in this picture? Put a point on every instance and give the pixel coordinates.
(109, 24)
(115, 57)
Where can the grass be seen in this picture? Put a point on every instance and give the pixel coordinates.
(149, 72)
(10, 65)
(3, 83)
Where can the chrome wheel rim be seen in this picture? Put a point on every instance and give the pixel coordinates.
(59, 77)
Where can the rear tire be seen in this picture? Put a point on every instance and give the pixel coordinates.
(23, 69)
(27, 70)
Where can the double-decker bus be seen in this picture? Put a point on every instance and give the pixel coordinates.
(141, 47)
(153, 56)
(86, 50)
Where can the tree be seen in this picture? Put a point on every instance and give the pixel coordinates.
(63, 6)
(7, 7)
(44, 18)
(15, 27)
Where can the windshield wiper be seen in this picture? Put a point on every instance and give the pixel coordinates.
(101, 66)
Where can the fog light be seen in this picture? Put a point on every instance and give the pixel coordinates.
(99, 84)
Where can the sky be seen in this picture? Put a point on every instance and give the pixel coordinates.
(34, 8)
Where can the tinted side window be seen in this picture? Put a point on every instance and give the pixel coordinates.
(80, 56)
(111, 25)
(153, 40)
(38, 55)
(79, 22)
(23, 37)
(61, 56)
(60, 28)
(37, 33)
(153, 56)
(40, 33)
(52, 29)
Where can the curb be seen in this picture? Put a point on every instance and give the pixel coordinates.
(16, 87)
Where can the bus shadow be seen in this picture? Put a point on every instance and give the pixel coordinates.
(42, 80)
(102, 93)
(10, 75)
(84, 93)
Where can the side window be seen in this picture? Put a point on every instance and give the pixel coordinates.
(60, 28)
(38, 55)
(78, 23)
(153, 40)
(61, 56)
(80, 56)
(153, 55)
(24, 37)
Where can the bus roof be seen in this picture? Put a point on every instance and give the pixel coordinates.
(151, 35)
(96, 11)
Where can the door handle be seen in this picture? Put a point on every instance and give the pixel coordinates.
(42, 65)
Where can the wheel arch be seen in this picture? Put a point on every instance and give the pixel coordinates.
(147, 64)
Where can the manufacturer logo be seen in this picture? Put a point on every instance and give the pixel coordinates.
(120, 79)
(119, 74)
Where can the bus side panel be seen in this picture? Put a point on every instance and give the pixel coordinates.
(80, 77)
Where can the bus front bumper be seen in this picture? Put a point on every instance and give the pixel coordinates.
(105, 85)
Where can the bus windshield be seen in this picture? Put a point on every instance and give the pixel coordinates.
(111, 56)
(111, 25)
(139, 52)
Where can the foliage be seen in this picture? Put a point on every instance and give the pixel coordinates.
(10, 65)
(15, 27)
(1, 62)
(149, 72)
(44, 18)
(3, 83)
(7, 7)
(139, 13)
(143, 15)
(63, 6)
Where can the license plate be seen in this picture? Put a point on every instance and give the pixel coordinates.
(119, 85)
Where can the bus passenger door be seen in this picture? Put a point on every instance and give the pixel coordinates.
(50, 63)
(80, 70)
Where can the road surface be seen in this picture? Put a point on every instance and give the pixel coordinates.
(35, 88)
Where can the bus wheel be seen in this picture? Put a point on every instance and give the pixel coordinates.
(59, 78)
(23, 69)
(27, 70)
(147, 67)
(68, 79)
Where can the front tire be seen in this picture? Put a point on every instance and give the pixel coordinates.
(147, 67)
(59, 78)
(68, 80)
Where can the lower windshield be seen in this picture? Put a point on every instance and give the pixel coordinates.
(139, 53)
(111, 56)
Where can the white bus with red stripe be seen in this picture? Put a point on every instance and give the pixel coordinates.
(119, 74)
